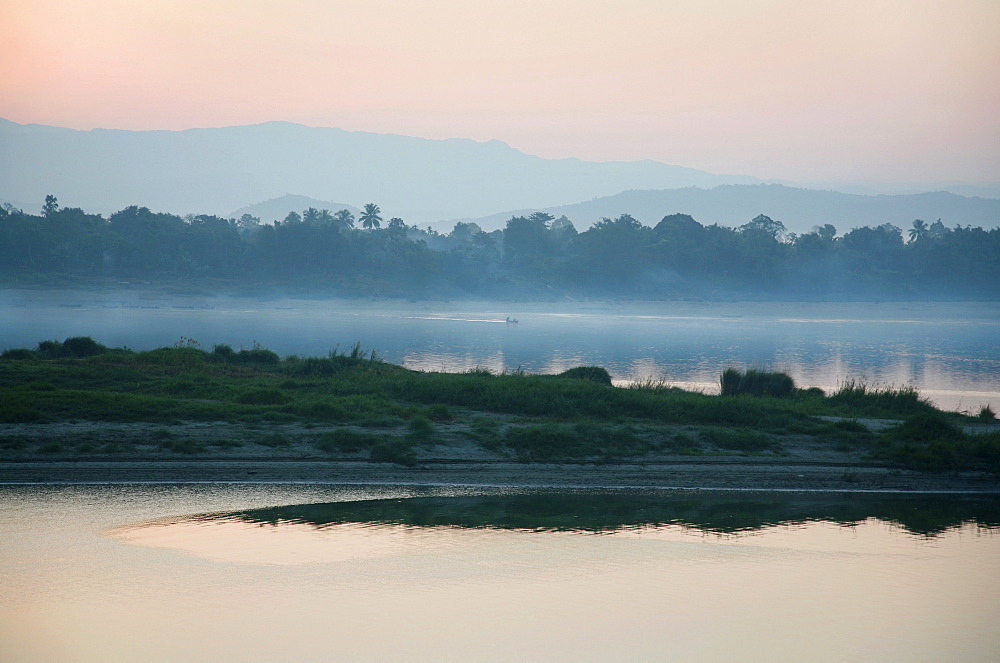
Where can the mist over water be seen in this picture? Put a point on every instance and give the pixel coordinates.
(948, 351)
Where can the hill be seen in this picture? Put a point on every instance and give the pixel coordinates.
(214, 171)
(799, 209)
(277, 209)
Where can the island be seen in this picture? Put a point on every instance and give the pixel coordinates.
(77, 411)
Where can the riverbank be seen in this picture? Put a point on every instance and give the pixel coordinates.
(716, 473)
(77, 411)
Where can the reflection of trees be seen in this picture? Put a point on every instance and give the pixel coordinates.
(729, 513)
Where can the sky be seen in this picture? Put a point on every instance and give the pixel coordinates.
(873, 90)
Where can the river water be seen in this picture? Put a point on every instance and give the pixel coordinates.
(307, 572)
(950, 352)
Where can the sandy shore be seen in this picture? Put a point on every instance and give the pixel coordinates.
(719, 473)
(140, 456)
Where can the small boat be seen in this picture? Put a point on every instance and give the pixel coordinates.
(510, 320)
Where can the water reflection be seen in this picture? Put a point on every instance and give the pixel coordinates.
(294, 583)
(611, 512)
(948, 351)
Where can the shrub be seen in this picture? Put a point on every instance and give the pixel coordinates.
(263, 397)
(439, 412)
(420, 429)
(930, 441)
(589, 373)
(223, 352)
(740, 439)
(986, 414)
(874, 400)
(927, 427)
(49, 349)
(189, 447)
(82, 346)
(318, 366)
(258, 356)
(397, 451)
(682, 443)
(274, 440)
(346, 440)
(755, 383)
(18, 354)
(539, 443)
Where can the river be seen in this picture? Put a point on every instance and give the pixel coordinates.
(309, 572)
(949, 352)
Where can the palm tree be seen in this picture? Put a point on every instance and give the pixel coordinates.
(310, 216)
(343, 219)
(919, 230)
(370, 217)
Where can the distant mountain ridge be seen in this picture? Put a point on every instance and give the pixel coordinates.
(799, 209)
(215, 171)
(276, 209)
(425, 182)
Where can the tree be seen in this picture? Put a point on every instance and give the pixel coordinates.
(919, 230)
(826, 232)
(464, 232)
(937, 230)
(764, 225)
(526, 241)
(325, 218)
(563, 228)
(343, 219)
(50, 206)
(612, 250)
(311, 216)
(370, 217)
(541, 217)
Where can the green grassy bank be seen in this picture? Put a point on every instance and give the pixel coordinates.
(354, 405)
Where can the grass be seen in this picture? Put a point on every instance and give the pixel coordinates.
(576, 415)
(741, 439)
(884, 401)
(932, 441)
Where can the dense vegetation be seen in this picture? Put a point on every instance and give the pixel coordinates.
(533, 256)
(357, 404)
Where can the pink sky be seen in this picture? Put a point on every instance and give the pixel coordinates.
(850, 90)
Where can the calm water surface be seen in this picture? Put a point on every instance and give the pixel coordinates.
(272, 572)
(949, 351)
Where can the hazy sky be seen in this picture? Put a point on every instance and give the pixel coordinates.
(848, 90)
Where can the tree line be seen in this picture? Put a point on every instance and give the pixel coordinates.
(532, 256)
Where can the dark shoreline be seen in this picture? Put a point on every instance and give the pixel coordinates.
(721, 474)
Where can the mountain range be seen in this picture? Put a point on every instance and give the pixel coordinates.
(215, 171)
(799, 209)
(230, 170)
